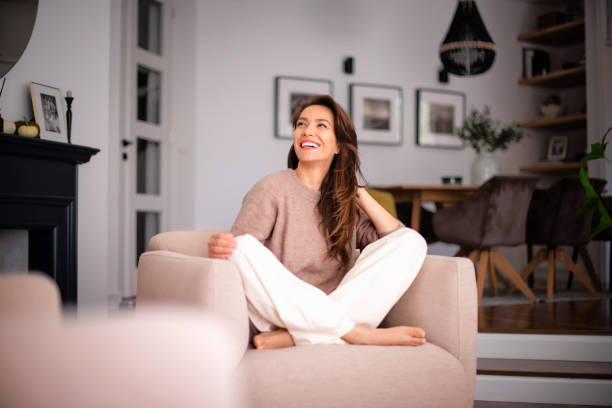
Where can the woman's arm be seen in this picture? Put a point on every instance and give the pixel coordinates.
(382, 220)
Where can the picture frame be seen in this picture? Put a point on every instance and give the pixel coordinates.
(438, 114)
(377, 113)
(49, 112)
(290, 92)
(557, 148)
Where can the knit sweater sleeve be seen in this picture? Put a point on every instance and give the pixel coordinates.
(259, 211)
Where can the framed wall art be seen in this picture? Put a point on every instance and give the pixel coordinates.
(438, 114)
(376, 111)
(557, 148)
(49, 112)
(290, 93)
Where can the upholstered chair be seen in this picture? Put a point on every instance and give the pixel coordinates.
(494, 216)
(156, 358)
(440, 373)
(553, 221)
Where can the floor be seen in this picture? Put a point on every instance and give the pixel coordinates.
(571, 311)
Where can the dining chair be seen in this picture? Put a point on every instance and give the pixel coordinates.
(494, 216)
(554, 221)
(403, 212)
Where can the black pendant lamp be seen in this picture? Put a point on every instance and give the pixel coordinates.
(467, 48)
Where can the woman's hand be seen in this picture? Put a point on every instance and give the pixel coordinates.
(382, 220)
(221, 245)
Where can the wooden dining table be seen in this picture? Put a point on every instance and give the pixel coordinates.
(444, 194)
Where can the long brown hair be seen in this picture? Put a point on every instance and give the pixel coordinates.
(338, 202)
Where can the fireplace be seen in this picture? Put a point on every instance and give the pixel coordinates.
(38, 193)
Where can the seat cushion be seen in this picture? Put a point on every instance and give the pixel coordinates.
(354, 376)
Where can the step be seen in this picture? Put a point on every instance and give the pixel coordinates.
(545, 368)
(543, 390)
(506, 404)
(545, 347)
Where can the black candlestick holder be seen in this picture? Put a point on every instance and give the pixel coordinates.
(69, 100)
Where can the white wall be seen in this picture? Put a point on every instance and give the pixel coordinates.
(243, 45)
(69, 49)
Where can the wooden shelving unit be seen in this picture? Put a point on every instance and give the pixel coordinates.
(565, 78)
(552, 167)
(557, 36)
(561, 35)
(566, 122)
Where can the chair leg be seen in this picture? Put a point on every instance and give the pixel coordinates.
(482, 270)
(474, 256)
(500, 261)
(529, 258)
(550, 278)
(492, 282)
(564, 257)
(502, 279)
(528, 271)
(570, 277)
(588, 263)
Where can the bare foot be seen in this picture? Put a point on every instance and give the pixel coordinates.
(392, 336)
(273, 340)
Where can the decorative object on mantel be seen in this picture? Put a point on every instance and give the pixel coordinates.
(290, 93)
(467, 48)
(48, 107)
(438, 113)
(485, 136)
(69, 100)
(27, 128)
(376, 111)
(552, 107)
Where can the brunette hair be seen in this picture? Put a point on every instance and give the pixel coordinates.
(338, 202)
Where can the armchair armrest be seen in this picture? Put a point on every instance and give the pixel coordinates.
(213, 285)
(442, 300)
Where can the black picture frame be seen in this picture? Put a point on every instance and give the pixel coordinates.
(449, 107)
(290, 92)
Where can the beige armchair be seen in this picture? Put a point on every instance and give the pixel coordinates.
(440, 373)
(169, 358)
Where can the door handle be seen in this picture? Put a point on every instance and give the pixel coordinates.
(126, 142)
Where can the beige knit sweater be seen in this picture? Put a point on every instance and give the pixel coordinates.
(281, 212)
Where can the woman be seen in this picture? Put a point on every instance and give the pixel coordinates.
(321, 261)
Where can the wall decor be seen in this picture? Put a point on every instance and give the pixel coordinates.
(438, 114)
(557, 148)
(377, 111)
(290, 93)
(49, 113)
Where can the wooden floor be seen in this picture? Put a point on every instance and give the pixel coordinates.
(591, 317)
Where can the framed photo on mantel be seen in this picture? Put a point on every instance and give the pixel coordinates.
(49, 112)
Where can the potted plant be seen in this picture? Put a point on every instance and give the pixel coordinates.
(486, 135)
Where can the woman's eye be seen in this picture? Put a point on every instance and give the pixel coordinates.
(323, 125)
(300, 124)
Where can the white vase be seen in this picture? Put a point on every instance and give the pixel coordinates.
(483, 168)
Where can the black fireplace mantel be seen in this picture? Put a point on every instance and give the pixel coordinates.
(38, 192)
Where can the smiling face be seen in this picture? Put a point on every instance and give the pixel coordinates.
(314, 139)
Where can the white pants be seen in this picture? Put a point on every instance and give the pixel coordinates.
(278, 298)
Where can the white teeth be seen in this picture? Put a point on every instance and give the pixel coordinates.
(309, 144)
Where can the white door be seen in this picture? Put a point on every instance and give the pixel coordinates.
(146, 74)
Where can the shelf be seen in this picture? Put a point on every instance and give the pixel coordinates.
(566, 122)
(557, 36)
(566, 78)
(551, 167)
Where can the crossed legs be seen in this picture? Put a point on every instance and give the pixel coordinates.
(277, 299)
